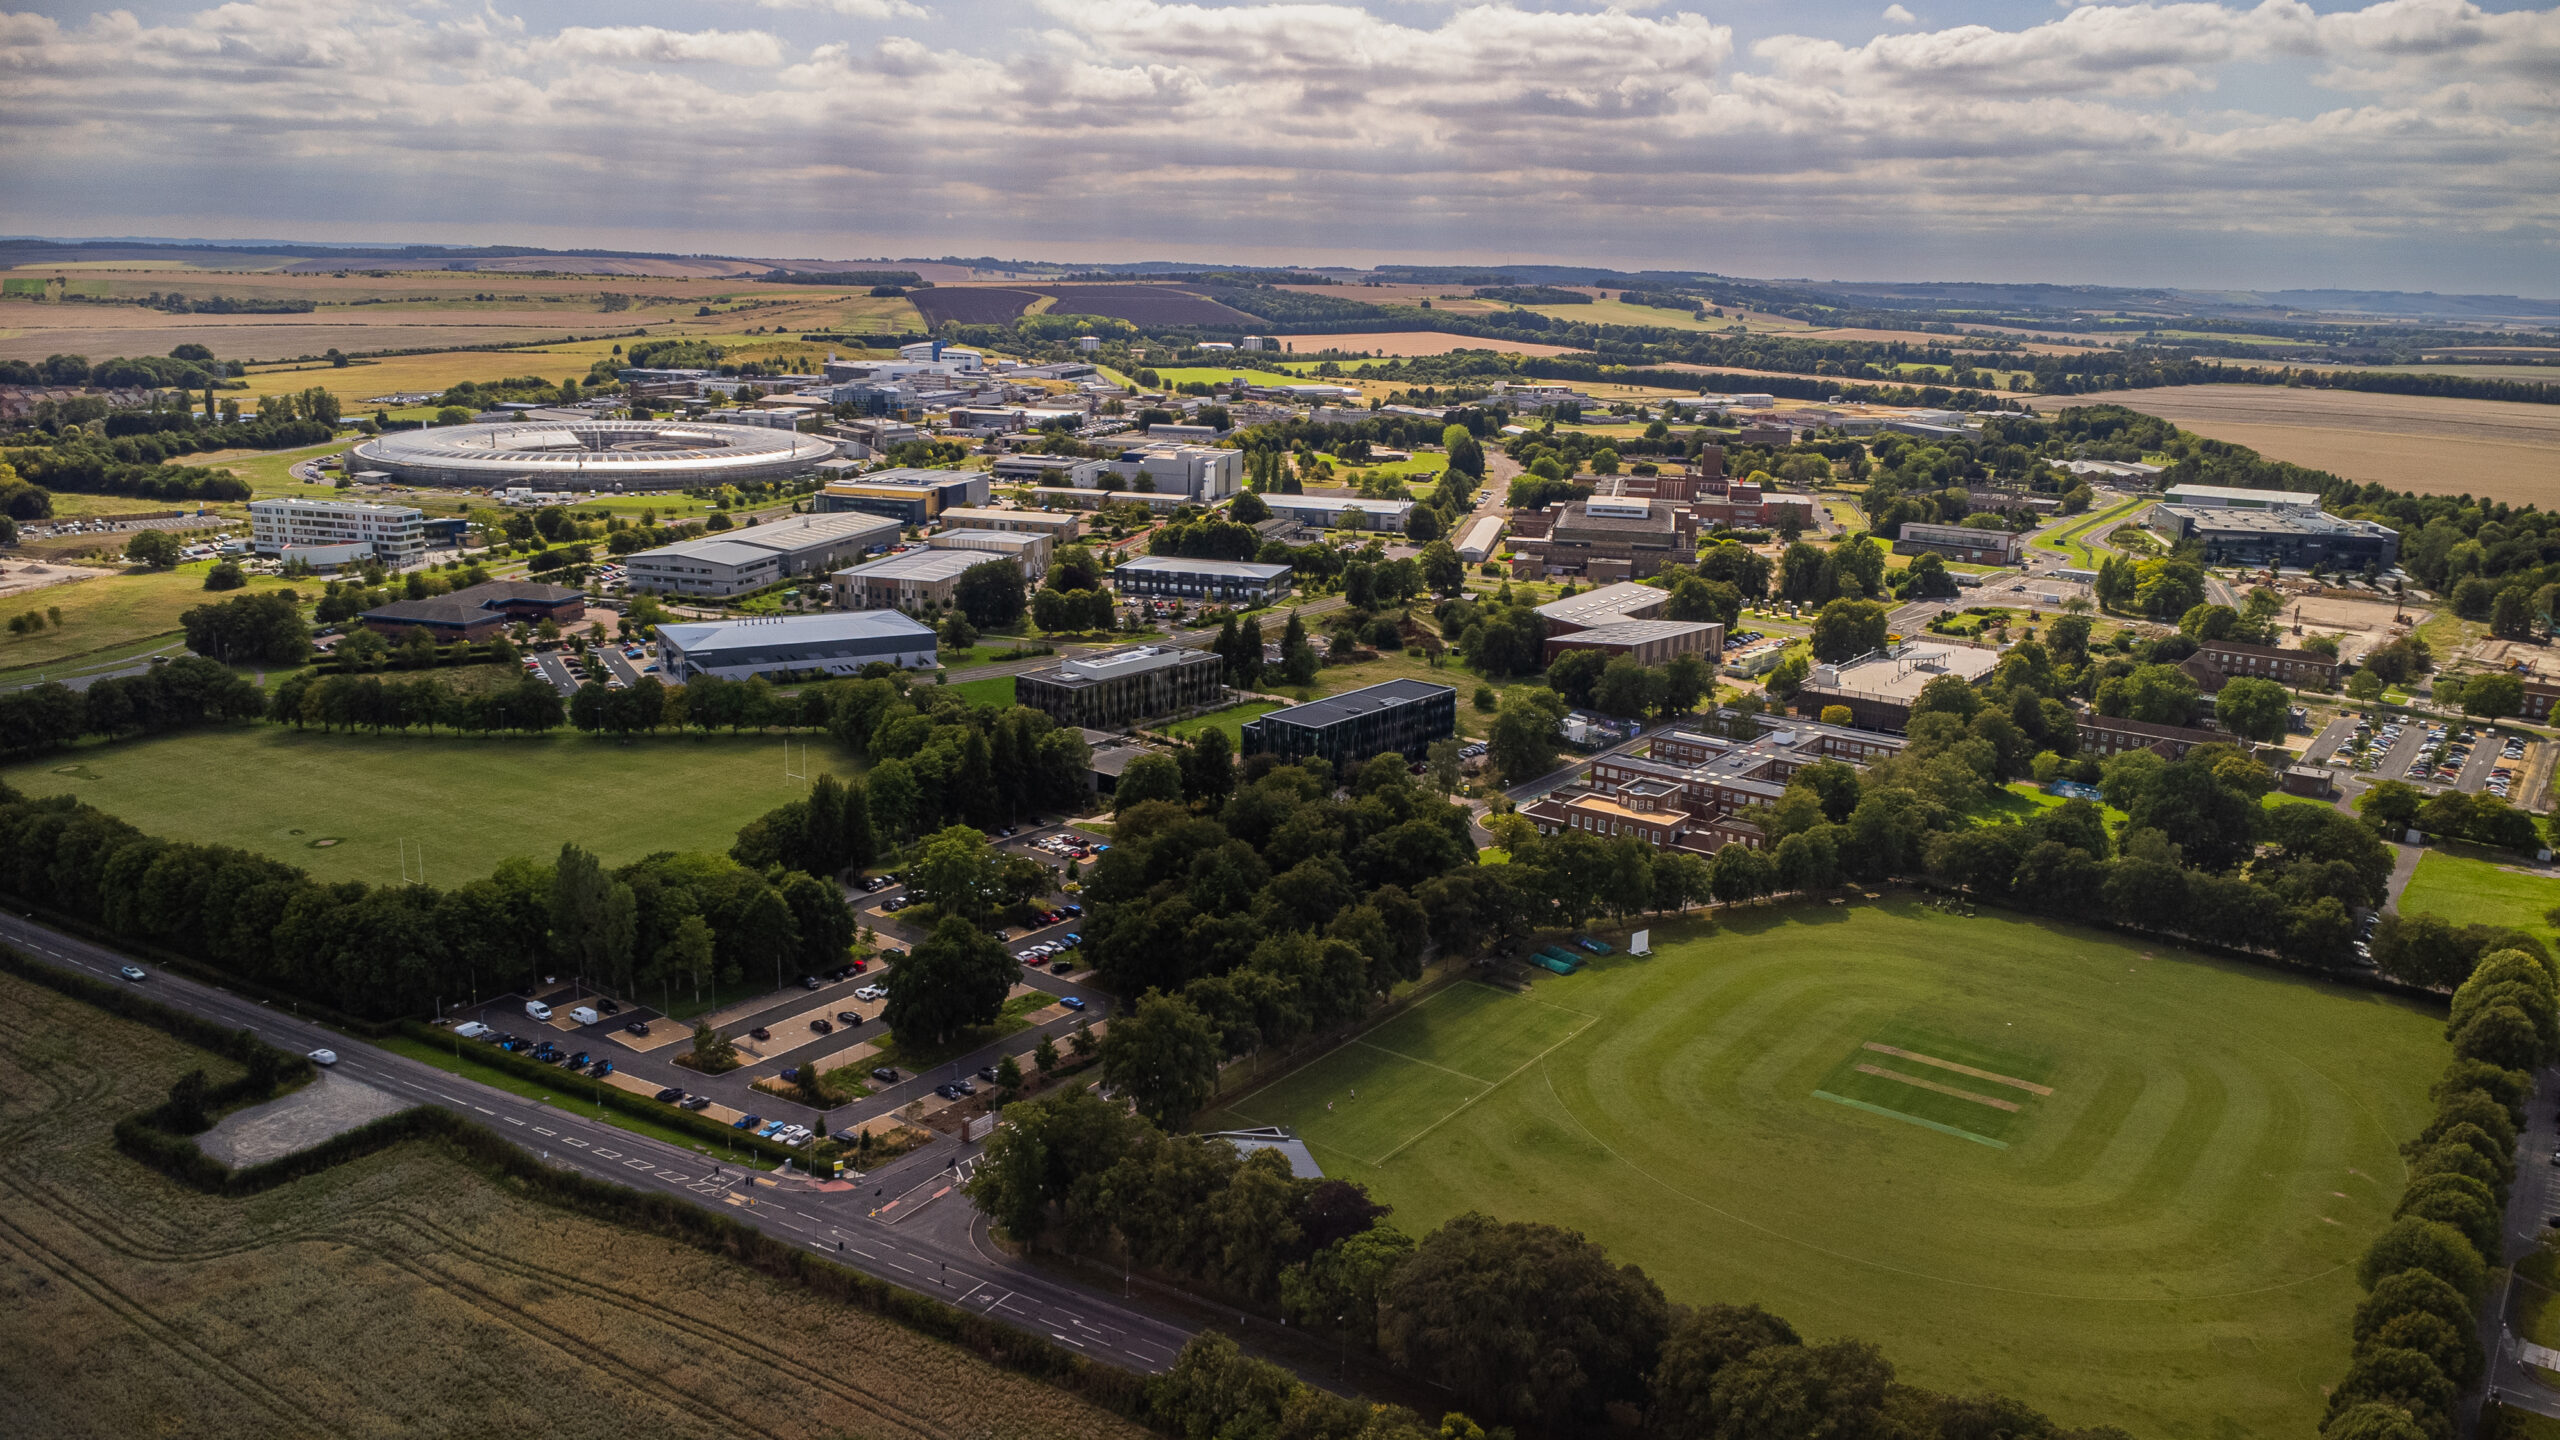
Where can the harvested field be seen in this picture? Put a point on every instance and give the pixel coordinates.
(970, 304)
(1915, 337)
(2430, 444)
(1144, 305)
(142, 1308)
(1392, 344)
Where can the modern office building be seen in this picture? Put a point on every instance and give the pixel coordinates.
(1607, 605)
(734, 562)
(907, 582)
(1325, 512)
(396, 535)
(1046, 470)
(1647, 642)
(1196, 472)
(1228, 580)
(1115, 690)
(1030, 552)
(793, 644)
(1878, 687)
(2271, 527)
(1959, 542)
(1350, 729)
(478, 612)
(1694, 791)
(1059, 527)
(909, 495)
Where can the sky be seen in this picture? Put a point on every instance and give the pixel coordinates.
(2407, 144)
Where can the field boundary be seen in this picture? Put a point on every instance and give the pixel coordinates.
(1910, 1119)
(1588, 1020)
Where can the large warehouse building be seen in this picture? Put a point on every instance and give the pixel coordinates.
(591, 455)
(734, 562)
(2271, 527)
(835, 644)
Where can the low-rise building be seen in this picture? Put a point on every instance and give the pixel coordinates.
(1031, 552)
(792, 645)
(396, 535)
(1617, 538)
(1696, 791)
(1062, 529)
(1195, 472)
(1325, 512)
(1119, 688)
(734, 562)
(1232, 581)
(479, 611)
(1961, 542)
(1350, 729)
(2104, 736)
(2296, 669)
(2270, 528)
(1606, 605)
(1066, 470)
(907, 582)
(1647, 642)
(1878, 687)
(1479, 538)
(908, 495)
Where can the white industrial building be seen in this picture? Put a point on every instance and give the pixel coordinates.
(1196, 472)
(734, 562)
(1057, 525)
(394, 534)
(831, 644)
(1479, 538)
(1327, 511)
(1030, 551)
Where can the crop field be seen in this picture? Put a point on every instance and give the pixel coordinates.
(345, 806)
(2469, 891)
(2430, 444)
(102, 616)
(971, 304)
(2124, 1184)
(1619, 312)
(403, 1294)
(1142, 304)
(1395, 344)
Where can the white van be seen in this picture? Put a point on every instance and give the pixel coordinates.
(471, 1030)
(585, 1015)
(537, 1010)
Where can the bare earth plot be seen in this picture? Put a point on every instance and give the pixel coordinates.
(2430, 444)
(1394, 344)
(403, 1294)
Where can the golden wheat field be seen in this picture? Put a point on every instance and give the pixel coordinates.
(401, 1295)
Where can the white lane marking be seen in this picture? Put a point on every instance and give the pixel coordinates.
(538, 1130)
(604, 1154)
(894, 1265)
(510, 1119)
(635, 1164)
(483, 1109)
(1069, 1339)
(572, 1140)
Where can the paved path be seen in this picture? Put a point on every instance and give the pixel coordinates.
(858, 1225)
(2530, 1207)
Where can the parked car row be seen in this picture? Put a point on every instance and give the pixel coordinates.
(675, 1095)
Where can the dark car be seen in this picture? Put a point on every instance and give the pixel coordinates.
(885, 1074)
(987, 1073)
(811, 982)
(839, 972)
(964, 1087)
(670, 1095)
(748, 1122)
(848, 1017)
(947, 1092)
(607, 1007)
(579, 1060)
(600, 1069)
(760, 1033)
(1072, 909)
(822, 1027)
(638, 1027)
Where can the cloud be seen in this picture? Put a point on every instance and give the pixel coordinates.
(1313, 129)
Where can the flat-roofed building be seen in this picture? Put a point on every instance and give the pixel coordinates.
(396, 535)
(1647, 642)
(2299, 669)
(1195, 472)
(1607, 605)
(910, 496)
(1064, 470)
(1616, 538)
(1696, 791)
(1059, 527)
(1031, 552)
(479, 611)
(1326, 512)
(1878, 687)
(792, 644)
(734, 562)
(2231, 497)
(1117, 689)
(1961, 542)
(2278, 533)
(1352, 728)
(1223, 580)
(907, 582)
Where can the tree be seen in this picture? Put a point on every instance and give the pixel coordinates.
(1801, 1392)
(2493, 696)
(225, 575)
(1422, 525)
(155, 548)
(1164, 1057)
(1928, 578)
(991, 594)
(1574, 673)
(957, 874)
(2260, 710)
(956, 631)
(2428, 1245)
(1525, 733)
(1147, 777)
(956, 978)
(267, 628)
(1701, 1344)
(712, 1052)
(1466, 456)
(1846, 629)
(1045, 1054)
(1442, 570)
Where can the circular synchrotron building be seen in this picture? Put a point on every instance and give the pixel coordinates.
(582, 455)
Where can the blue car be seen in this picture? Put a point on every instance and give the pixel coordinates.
(748, 1122)
(1072, 941)
(1073, 1002)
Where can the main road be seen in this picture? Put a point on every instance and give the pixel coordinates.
(905, 1223)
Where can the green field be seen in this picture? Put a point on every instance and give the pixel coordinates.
(2155, 1226)
(1230, 719)
(1172, 375)
(2482, 892)
(108, 617)
(466, 802)
(994, 692)
(2065, 539)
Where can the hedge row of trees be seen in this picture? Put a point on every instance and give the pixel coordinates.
(1527, 1324)
(180, 695)
(2417, 1339)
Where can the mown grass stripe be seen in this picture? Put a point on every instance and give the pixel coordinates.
(1913, 1119)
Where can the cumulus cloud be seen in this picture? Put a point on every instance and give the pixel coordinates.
(1644, 132)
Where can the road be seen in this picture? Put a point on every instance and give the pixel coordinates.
(879, 1226)
(2532, 1207)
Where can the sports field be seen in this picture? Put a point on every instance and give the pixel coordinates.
(345, 807)
(2470, 891)
(2125, 1185)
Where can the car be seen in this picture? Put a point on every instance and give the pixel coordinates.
(760, 1033)
(987, 1073)
(747, 1122)
(132, 972)
(812, 982)
(1073, 1002)
(848, 1017)
(670, 1095)
(885, 1074)
(769, 1129)
(1035, 960)
(324, 1057)
(859, 966)
(840, 972)
(600, 1069)
(1073, 940)
(608, 1007)
(822, 1027)
(964, 1087)
(952, 1092)
(638, 1027)
(579, 1061)
(870, 992)
(695, 1102)
(1072, 909)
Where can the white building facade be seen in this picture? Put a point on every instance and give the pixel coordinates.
(396, 534)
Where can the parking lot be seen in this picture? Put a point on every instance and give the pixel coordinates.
(2472, 757)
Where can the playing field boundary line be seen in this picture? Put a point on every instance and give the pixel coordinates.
(1893, 1114)
(1917, 1058)
(1463, 1105)
(1369, 1044)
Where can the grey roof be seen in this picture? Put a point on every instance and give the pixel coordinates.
(757, 542)
(474, 604)
(1336, 708)
(1302, 1161)
(1605, 605)
(1177, 565)
(1636, 632)
(926, 565)
(697, 639)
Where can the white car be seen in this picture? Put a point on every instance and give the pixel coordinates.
(324, 1057)
(870, 992)
(131, 972)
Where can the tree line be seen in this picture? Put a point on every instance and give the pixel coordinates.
(1526, 1324)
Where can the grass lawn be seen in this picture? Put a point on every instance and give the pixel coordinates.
(269, 471)
(1172, 375)
(920, 1056)
(1231, 720)
(443, 1058)
(2482, 892)
(2066, 539)
(469, 802)
(2155, 1226)
(996, 692)
(112, 612)
(1401, 665)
